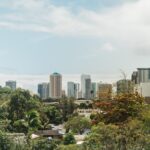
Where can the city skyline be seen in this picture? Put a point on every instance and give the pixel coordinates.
(96, 37)
(30, 82)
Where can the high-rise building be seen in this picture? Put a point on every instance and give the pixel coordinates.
(94, 89)
(86, 86)
(77, 89)
(56, 85)
(142, 84)
(143, 75)
(104, 91)
(43, 90)
(71, 89)
(11, 84)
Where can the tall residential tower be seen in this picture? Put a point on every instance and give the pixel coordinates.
(86, 86)
(56, 85)
(43, 90)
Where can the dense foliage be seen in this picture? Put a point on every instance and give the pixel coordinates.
(122, 123)
(69, 139)
(78, 124)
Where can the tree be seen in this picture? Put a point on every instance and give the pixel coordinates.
(5, 143)
(83, 106)
(145, 118)
(19, 104)
(67, 107)
(53, 114)
(120, 109)
(21, 110)
(33, 118)
(20, 126)
(78, 124)
(44, 144)
(134, 136)
(103, 137)
(3, 113)
(69, 139)
(71, 106)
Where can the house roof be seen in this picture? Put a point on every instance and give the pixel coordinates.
(48, 133)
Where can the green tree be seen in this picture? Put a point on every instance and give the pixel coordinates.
(5, 143)
(44, 144)
(3, 113)
(33, 118)
(103, 137)
(69, 139)
(21, 111)
(18, 104)
(83, 106)
(71, 106)
(54, 115)
(67, 107)
(20, 126)
(77, 124)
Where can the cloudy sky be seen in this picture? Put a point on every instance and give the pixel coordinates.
(98, 37)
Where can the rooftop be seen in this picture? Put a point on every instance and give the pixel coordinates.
(143, 68)
(48, 133)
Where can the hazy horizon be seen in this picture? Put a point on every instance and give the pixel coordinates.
(30, 82)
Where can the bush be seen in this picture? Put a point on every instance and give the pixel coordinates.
(69, 139)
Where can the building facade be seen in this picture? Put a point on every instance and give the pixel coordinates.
(86, 86)
(11, 84)
(94, 90)
(104, 91)
(56, 85)
(77, 89)
(143, 75)
(43, 90)
(71, 89)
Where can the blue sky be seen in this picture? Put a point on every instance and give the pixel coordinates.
(38, 37)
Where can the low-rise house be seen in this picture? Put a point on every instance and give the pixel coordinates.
(55, 134)
(87, 112)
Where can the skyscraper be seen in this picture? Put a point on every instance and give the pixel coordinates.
(86, 86)
(104, 91)
(11, 84)
(56, 85)
(43, 90)
(143, 75)
(94, 89)
(71, 89)
(77, 89)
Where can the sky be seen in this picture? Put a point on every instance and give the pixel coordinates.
(97, 37)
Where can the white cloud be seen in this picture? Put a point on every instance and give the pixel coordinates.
(108, 47)
(127, 25)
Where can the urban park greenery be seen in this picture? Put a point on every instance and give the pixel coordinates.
(122, 123)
